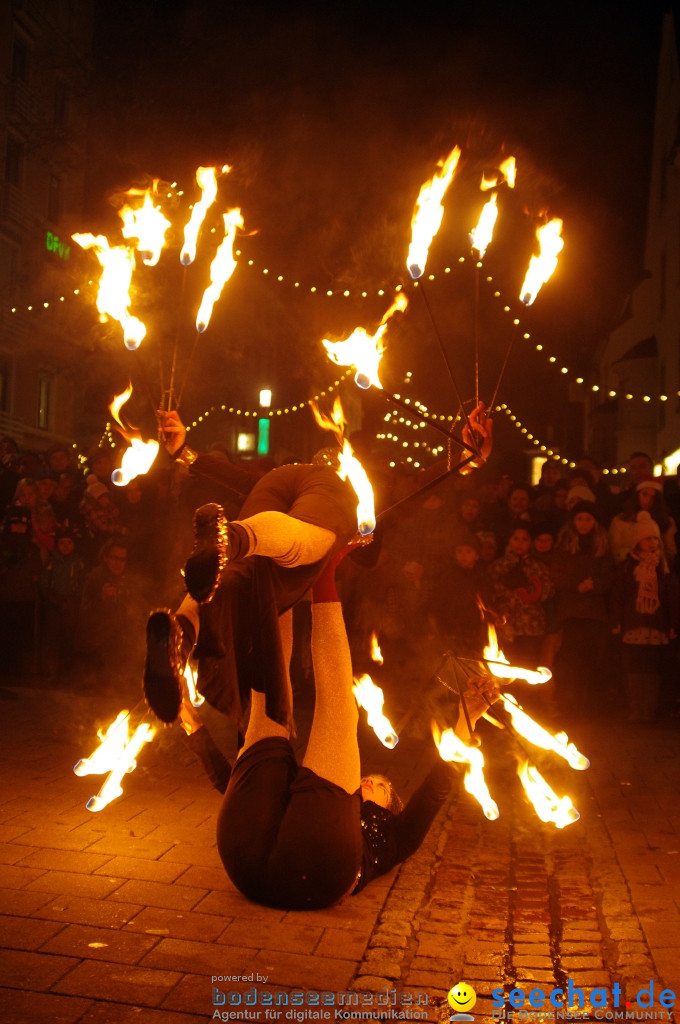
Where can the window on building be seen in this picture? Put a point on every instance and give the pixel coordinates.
(9, 268)
(45, 389)
(20, 59)
(54, 198)
(14, 161)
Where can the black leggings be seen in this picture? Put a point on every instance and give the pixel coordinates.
(287, 837)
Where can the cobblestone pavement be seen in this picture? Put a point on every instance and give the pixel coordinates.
(127, 915)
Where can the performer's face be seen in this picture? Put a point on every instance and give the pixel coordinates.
(377, 789)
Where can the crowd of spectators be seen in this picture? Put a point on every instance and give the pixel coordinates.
(572, 573)
(81, 562)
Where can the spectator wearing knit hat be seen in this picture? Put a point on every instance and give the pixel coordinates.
(646, 614)
(648, 497)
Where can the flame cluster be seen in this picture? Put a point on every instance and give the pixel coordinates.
(452, 748)
(115, 755)
(364, 351)
(549, 807)
(146, 229)
(139, 457)
(349, 467)
(370, 697)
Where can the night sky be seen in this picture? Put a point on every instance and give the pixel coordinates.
(332, 116)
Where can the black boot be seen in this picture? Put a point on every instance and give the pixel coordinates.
(169, 643)
(204, 568)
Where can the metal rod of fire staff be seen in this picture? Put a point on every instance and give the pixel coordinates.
(413, 410)
(425, 487)
(503, 723)
(438, 336)
(508, 352)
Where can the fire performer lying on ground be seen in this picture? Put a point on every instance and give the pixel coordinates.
(297, 517)
(300, 837)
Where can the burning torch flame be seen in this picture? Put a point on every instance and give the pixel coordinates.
(206, 180)
(349, 467)
(190, 677)
(481, 236)
(452, 748)
(139, 457)
(221, 269)
(540, 737)
(113, 297)
(370, 697)
(500, 667)
(362, 350)
(116, 755)
(488, 183)
(509, 171)
(147, 224)
(109, 750)
(352, 470)
(550, 808)
(376, 653)
(428, 213)
(542, 267)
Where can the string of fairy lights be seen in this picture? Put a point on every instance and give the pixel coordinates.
(418, 450)
(400, 430)
(269, 274)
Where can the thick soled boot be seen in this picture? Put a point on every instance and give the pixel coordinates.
(204, 568)
(169, 642)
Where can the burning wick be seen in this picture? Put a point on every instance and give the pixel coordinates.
(349, 467)
(525, 725)
(113, 295)
(206, 180)
(452, 748)
(500, 667)
(535, 677)
(116, 755)
(139, 457)
(480, 237)
(221, 269)
(190, 677)
(137, 461)
(552, 809)
(370, 698)
(428, 214)
(542, 267)
(147, 224)
(364, 351)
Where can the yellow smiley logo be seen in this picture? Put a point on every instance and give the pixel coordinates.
(462, 997)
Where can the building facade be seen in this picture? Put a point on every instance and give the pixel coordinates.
(45, 48)
(638, 405)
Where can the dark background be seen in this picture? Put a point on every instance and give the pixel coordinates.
(332, 117)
